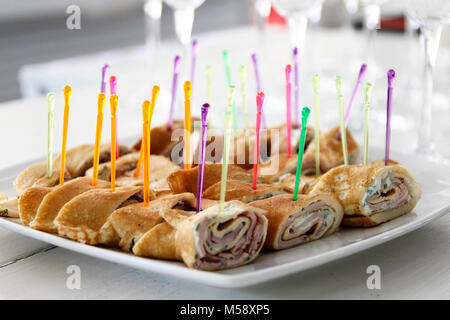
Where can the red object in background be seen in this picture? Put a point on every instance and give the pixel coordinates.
(394, 23)
(275, 18)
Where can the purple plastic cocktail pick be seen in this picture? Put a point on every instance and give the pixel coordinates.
(105, 72)
(362, 71)
(194, 59)
(258, 84)
(201, 163)
(391, 76)
(296, 88)
(176, 71)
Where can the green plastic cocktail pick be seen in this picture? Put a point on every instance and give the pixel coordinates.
(338, 82)
(305, 114)
(50, 116)
(367, 93)
(227, 63)
(225, 155)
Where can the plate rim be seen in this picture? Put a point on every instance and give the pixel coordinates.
(214, 278)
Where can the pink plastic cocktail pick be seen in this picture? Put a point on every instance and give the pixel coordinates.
(113, 90)
(288, 71)
(259, 105)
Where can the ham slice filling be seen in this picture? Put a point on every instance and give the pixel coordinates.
(392, 193)
(309, 223)
(229, 243)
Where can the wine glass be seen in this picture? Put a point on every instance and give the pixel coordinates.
(431, 16)
(296, 13)
(371, 12)
(152, 10)
(184, 11)
(262, 8)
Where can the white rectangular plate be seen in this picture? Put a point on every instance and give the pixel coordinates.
(435, 202)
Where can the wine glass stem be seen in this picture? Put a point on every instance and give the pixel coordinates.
(184, 19)
(431, 38)
(298, 22)
(152, 9)
(372, 21)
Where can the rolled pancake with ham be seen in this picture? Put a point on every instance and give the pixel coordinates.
(78, 160)
(279, 145)
(288, 182)
(29, 202)
(160, 168)
(370, 194)
(124, 163)
(292, 223)
(161, 137)
(243, 191)
(9, 207)
(54, 200)
(35, 176)
(277, 166)
(125, 226)
(81, 158)
(186, 180)
(330, 152)
(82, 217)
(209, 240)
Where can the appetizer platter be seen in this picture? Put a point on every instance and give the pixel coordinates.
(237, 208)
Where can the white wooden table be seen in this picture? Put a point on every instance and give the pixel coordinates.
(414, 266)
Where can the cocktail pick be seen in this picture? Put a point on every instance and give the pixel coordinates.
(243, 74)
(113, 90)
(98, 136)
(315, 81)
(259, 105)
(67, 94)
(225, 155)
(145, 149)
(194, 59)
(296, 88)
(305, 114)
(391, 76)
(113, 101)
(227, 63)
(208, 71)
(343, 132)
(113, 85)
(201, 162)
(105, 72)
(258, 82)
(231, 97)
(367, 93)
(187, 125)
(155, 92)
(50, 116)
(176, 71)
(288, 71)
(362, 71)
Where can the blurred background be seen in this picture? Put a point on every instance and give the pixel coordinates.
(44, 47)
